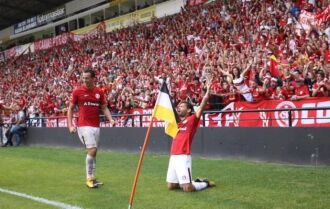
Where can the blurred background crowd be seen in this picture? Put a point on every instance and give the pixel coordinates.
(251, 50)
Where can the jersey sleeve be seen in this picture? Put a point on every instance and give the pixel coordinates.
(103, 100)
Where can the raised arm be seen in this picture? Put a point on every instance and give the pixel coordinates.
(247, 68)
(201, 107)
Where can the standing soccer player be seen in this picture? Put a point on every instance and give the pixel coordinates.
(89, 100)
(179, 173)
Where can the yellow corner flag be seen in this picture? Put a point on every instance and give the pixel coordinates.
(164, 110)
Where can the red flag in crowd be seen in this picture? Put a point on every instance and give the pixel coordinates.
(324, 16)
(273, 67)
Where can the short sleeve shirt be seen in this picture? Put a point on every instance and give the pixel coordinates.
(89, 102)
(181, 144)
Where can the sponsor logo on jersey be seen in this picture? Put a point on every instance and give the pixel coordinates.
(94, 104)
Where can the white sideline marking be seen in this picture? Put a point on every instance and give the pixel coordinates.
(39, 199)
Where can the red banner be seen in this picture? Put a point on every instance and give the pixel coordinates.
(229, 118)
(61, 39)
(299, 118)
(43, 44)
(51, 42)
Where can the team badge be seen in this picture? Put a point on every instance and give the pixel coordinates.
(97, 96)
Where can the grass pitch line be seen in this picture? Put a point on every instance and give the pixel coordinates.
(41, 200)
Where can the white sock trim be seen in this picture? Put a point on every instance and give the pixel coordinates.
(199, 185)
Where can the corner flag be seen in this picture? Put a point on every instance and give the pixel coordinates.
(164, 110)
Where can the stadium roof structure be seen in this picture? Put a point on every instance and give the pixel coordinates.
(15, 11)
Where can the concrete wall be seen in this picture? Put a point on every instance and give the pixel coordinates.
(77, 5)
(288, 145)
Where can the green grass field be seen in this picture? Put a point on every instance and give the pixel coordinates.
(58, 174)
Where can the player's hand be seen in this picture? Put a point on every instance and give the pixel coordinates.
(72, 129)
(112, 122)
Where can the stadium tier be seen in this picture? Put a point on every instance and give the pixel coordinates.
(252, 50)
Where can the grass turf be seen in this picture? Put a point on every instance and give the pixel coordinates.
(58, 174)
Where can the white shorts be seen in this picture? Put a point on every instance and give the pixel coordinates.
(179, 169)
(89, 136)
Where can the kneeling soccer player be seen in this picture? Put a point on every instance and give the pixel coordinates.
(179, 173)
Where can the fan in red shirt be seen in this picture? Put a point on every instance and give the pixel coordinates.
(301, 90)
(196, 88)
(179, 169)
(89, 100)
(257, 91)
(184, 88)
(319, 87)
(287, 89)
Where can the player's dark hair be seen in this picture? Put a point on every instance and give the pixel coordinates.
(189, 105)
(90, 71)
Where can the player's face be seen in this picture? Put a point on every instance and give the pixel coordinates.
(182, 110)
(87, 79)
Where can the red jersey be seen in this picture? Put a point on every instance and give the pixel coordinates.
(301, 90)
(320, 92)
(89, 102)
(181, 144)
(257, 94)
(287, 93)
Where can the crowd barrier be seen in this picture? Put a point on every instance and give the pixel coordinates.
(313, 112)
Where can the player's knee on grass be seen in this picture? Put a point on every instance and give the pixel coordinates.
(172, 186)
(188, 187)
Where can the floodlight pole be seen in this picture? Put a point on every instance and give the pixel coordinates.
(137, 173)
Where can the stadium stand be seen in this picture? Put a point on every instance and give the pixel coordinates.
(255, 44)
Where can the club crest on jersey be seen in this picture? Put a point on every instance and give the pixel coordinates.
(97, 96)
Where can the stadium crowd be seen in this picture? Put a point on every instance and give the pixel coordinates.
(231, 43)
